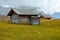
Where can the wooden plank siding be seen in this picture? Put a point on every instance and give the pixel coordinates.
(15, 19)
(35, 20)
(24, 19)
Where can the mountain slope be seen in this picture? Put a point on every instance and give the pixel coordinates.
(4, 10)
(56, 15)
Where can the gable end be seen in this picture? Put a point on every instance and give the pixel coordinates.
(10, 12)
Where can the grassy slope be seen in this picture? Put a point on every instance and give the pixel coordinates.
(47, 30)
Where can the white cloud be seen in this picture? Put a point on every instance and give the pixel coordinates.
(45, 5)
(49, 6)
(7, 6)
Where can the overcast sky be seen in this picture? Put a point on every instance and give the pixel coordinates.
(48, 6)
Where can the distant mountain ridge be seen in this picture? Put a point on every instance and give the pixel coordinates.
(4, 10)
(56, 15)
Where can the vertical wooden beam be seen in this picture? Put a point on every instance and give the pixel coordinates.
(30, 19)
(10, 18)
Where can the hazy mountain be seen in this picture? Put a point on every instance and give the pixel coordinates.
(56, 15)
(4, 10)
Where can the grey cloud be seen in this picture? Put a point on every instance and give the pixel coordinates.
(19, 2)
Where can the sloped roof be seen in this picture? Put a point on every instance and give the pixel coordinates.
(29, 11)
(24, 11)
(45, 15)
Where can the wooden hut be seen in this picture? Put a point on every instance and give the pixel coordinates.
(24, 16)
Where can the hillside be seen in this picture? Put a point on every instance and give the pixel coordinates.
(47, 30)
(4, 18)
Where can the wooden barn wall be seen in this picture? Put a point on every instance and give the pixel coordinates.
(35, 20)
(24, 19)
(15, 18)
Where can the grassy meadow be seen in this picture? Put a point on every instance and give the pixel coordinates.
(47, 30)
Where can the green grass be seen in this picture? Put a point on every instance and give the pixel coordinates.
(47, 30)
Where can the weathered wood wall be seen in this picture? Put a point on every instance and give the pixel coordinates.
(24, 19)
(35, 20)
